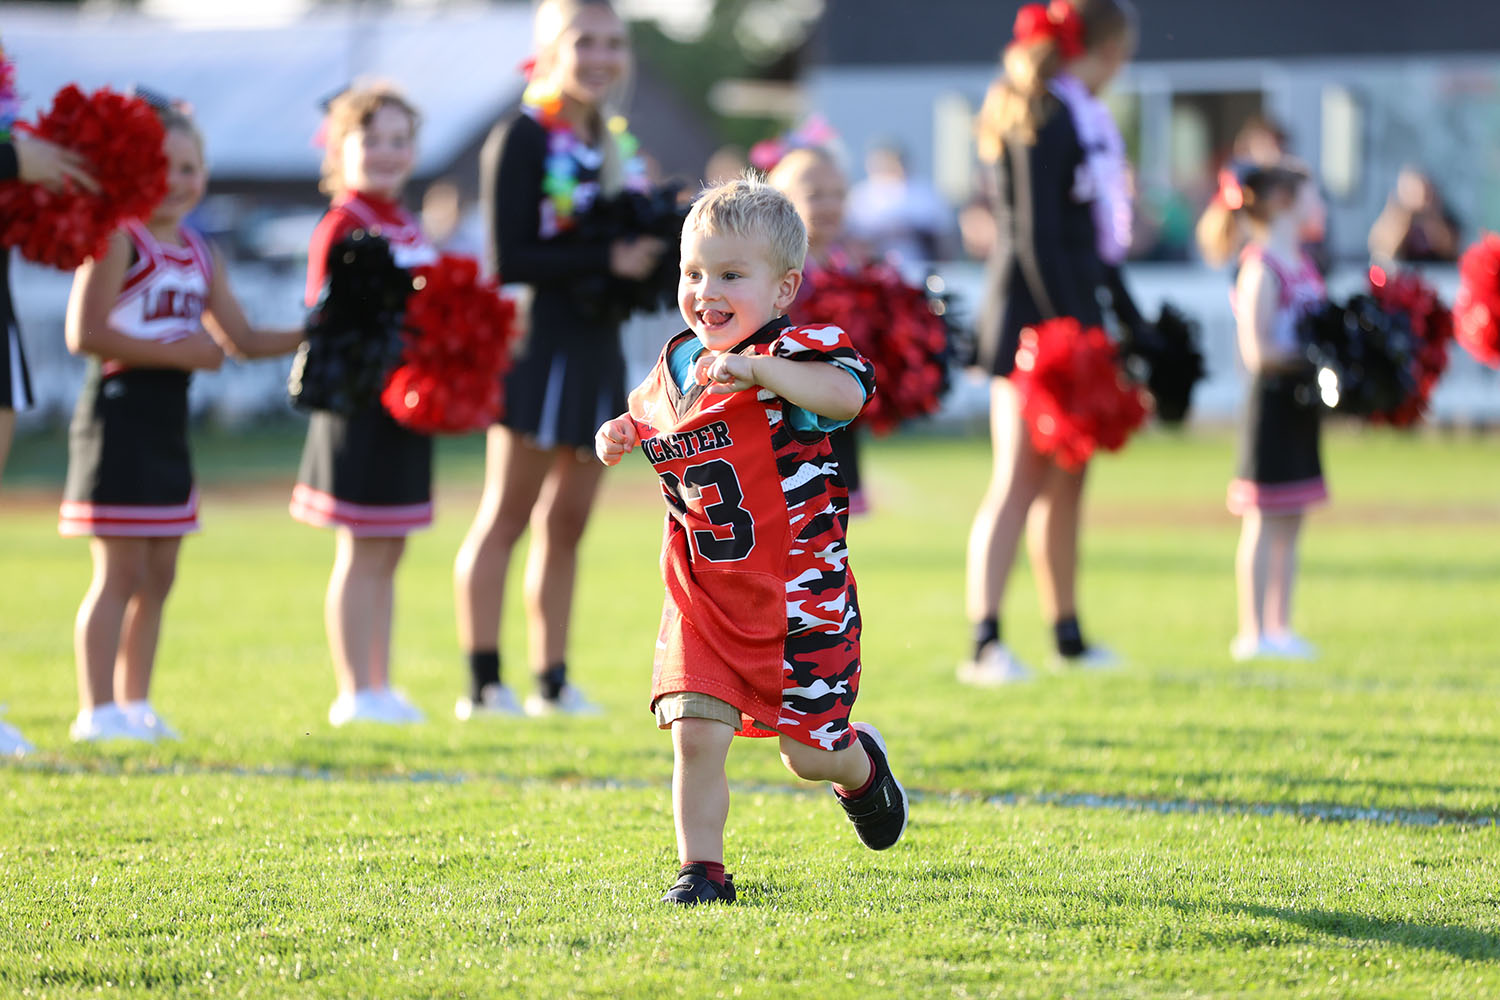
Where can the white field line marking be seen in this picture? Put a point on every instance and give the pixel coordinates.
(1326, 812)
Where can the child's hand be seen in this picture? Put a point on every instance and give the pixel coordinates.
(50, 165)
(199, 351)
(725, 373)
(616, 439)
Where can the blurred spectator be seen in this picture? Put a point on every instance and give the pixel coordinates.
(1260, 140)
(726, 163)
(900, 216)
(1415, 225)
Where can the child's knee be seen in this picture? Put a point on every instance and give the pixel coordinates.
(698, 738)
(807, 763)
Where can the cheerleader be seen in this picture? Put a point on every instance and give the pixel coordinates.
(365, 475)
(538, 171)
(139, 313)
(1280, 472)
(813, 181)
(1063, 222)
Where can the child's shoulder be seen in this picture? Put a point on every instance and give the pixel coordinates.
(814, 337)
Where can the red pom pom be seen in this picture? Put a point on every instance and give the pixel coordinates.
(1074, 398)
(459, 335)
(893, 326)
(1431, 328)
(121, 139)
(1476, 307)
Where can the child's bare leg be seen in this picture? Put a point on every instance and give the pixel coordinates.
(849, 768)
(119, 568)
(363, 568)
(142, 623)
(700, 788)
(386, 557)
(1015, 479)
(1251, 570)
(1283, 530)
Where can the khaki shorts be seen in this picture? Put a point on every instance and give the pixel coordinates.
(693, 705)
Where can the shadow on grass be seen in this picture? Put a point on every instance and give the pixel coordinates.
(1461, 942)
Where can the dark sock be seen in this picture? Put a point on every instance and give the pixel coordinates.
(855, 793)
(551, 681)
(986, 632)
(713, 869)
(484, 668)
(1069, 636)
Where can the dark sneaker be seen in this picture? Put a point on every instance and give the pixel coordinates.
(879, 815)
(693, 886)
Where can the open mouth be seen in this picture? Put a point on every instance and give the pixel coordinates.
(714, 319)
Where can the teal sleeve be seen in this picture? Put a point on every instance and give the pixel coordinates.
(680, 363)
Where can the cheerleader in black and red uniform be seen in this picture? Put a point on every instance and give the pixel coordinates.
(1280, 471)
(139, 313)
(364, 474)
(539, 171)
(1060, 210)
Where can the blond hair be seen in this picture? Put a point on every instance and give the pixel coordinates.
(551, 19)
(750, 207)
(175, 119)
(351, 112)
(1015, 101)
(798, 160)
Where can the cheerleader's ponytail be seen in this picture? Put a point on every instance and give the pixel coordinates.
(1045, 39)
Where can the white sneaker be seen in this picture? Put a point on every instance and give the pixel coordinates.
(1243, 648)
(401, 706)
(143, 717)
(494, 700)
(570, 701)
(1092, 658)
(106, 722)
(994, 667)
(1290, 646)
(366, 706)
(12, 743)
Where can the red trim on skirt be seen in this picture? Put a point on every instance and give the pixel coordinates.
(1275, 498)
(322, 510)
(77, 518)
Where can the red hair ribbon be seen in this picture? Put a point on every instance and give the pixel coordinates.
(527, 67)
(1055, 22)
(1231, 195)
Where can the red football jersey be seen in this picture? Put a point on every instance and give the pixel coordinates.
(760, 609)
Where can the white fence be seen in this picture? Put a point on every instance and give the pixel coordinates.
(246, 392)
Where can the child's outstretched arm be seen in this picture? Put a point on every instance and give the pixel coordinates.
(823, 388)
(96, 286)
(226, 322)
(615, 439)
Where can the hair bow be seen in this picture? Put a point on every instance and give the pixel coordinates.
(1057, 22)
(1231, 193)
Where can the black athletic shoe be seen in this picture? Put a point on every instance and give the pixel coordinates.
(693, 886)
(879, 815)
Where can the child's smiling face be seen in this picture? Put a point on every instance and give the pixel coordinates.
(730, 287)
(378, 158)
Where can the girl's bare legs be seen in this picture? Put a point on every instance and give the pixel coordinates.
(1251, 569)
(1276, 615)
(358, 610)
(1052, 540)
(514, 472)
(119, 569)
(558, 521)
(7, 431)
(700, 788)
(1016, 478)
(141, 625)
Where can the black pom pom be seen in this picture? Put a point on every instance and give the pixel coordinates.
(1165, 358)
(1364, 357)
(354, 334)
(609, 298)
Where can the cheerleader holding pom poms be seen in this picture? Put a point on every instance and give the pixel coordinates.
(541, 172)
(1062, 221)
(1280, 472)
(362, 473)
(154, 308)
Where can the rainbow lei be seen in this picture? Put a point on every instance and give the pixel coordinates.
(10, 101)
(566, 151)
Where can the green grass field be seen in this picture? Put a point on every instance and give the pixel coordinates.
(1184, 827)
